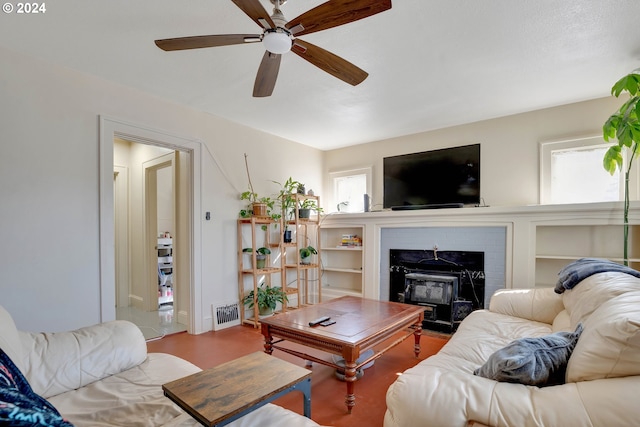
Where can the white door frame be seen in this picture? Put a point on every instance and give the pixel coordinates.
(111, 128)
(121, 200)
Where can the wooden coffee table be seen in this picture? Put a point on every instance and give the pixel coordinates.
(360, 325)
(220, 395)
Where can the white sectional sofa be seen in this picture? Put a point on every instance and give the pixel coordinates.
(602, 382)
(102, 376)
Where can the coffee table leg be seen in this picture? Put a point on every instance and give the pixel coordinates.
(417, 334)
(350, 378)
(268, 339)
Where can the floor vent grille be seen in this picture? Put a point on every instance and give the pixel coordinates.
(225, 315)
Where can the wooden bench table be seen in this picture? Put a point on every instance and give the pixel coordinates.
(220, 395)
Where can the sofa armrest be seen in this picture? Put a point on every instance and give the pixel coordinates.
(442, 391)
(63, 361)
(539, 304)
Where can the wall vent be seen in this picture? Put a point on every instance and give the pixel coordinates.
(225, 315)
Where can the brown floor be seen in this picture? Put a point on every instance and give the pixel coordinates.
(327, 392)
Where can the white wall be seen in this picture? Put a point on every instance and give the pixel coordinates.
(49, 257)
(509, 149)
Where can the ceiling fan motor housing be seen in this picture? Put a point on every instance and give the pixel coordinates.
(277, 40)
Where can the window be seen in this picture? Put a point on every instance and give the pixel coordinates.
(571, 172)
(349, 188)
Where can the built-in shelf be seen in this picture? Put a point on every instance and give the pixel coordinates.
(342, 261)
(540, 239)
(560, 244)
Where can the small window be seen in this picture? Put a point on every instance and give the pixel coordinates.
(349, 188)
(572, 172)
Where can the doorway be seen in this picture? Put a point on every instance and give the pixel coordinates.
(187, 155)
(146, 276)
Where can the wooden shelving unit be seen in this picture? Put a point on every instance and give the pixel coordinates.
(302, 280)
(262, 232)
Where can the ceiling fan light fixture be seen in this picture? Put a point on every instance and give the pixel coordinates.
(277, 42)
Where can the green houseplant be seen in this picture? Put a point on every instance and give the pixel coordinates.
(624, 127)
(287, 203)
(306, 206)
(266, 298)
(258, 206)
(261, 255)
(305, 254)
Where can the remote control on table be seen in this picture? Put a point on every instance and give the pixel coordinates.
(319, 320)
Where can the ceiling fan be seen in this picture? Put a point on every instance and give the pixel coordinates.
(280, 36)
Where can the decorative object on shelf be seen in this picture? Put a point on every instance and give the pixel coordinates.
(305, 254)
(350, 240)
(266, 298)
(261, 255)
(310, 193)
(624, 126)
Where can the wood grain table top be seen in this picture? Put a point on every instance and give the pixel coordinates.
(357, 319)
(214, 395)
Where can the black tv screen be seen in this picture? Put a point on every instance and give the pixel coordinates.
(449, 175)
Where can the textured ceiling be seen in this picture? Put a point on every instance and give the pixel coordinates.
(431, 64)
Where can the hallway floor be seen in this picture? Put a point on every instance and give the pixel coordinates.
(153, 324)
(328, 393)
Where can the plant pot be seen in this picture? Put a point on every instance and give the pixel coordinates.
(265, 311)
(305, 261)
(287, 236)
(259, 209)
(260, 260)
(304, 213)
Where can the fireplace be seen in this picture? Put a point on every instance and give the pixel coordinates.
(448, 284)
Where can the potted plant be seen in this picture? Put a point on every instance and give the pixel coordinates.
(287, 204)
(266, 298)
(258, 206)
(261, 255)
(305, 254)
(624, 127)
(306, 206)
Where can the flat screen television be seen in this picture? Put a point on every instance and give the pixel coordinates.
(437, 177)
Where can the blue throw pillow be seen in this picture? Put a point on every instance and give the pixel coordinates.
(19, 405)
(538, 361)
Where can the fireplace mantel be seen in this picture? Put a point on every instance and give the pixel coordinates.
(538, 238)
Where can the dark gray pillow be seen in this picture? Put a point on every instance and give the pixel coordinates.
(538, 361)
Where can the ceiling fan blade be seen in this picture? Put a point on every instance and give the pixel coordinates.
(329, 62)
(196, 42)
(267, 75)
(334, 13)
(255, 11)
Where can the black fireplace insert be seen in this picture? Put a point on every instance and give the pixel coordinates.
(448, 284)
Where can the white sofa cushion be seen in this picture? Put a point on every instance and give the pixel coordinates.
(63, 361)
(538, 304)
(610, 344)
(587, 296)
